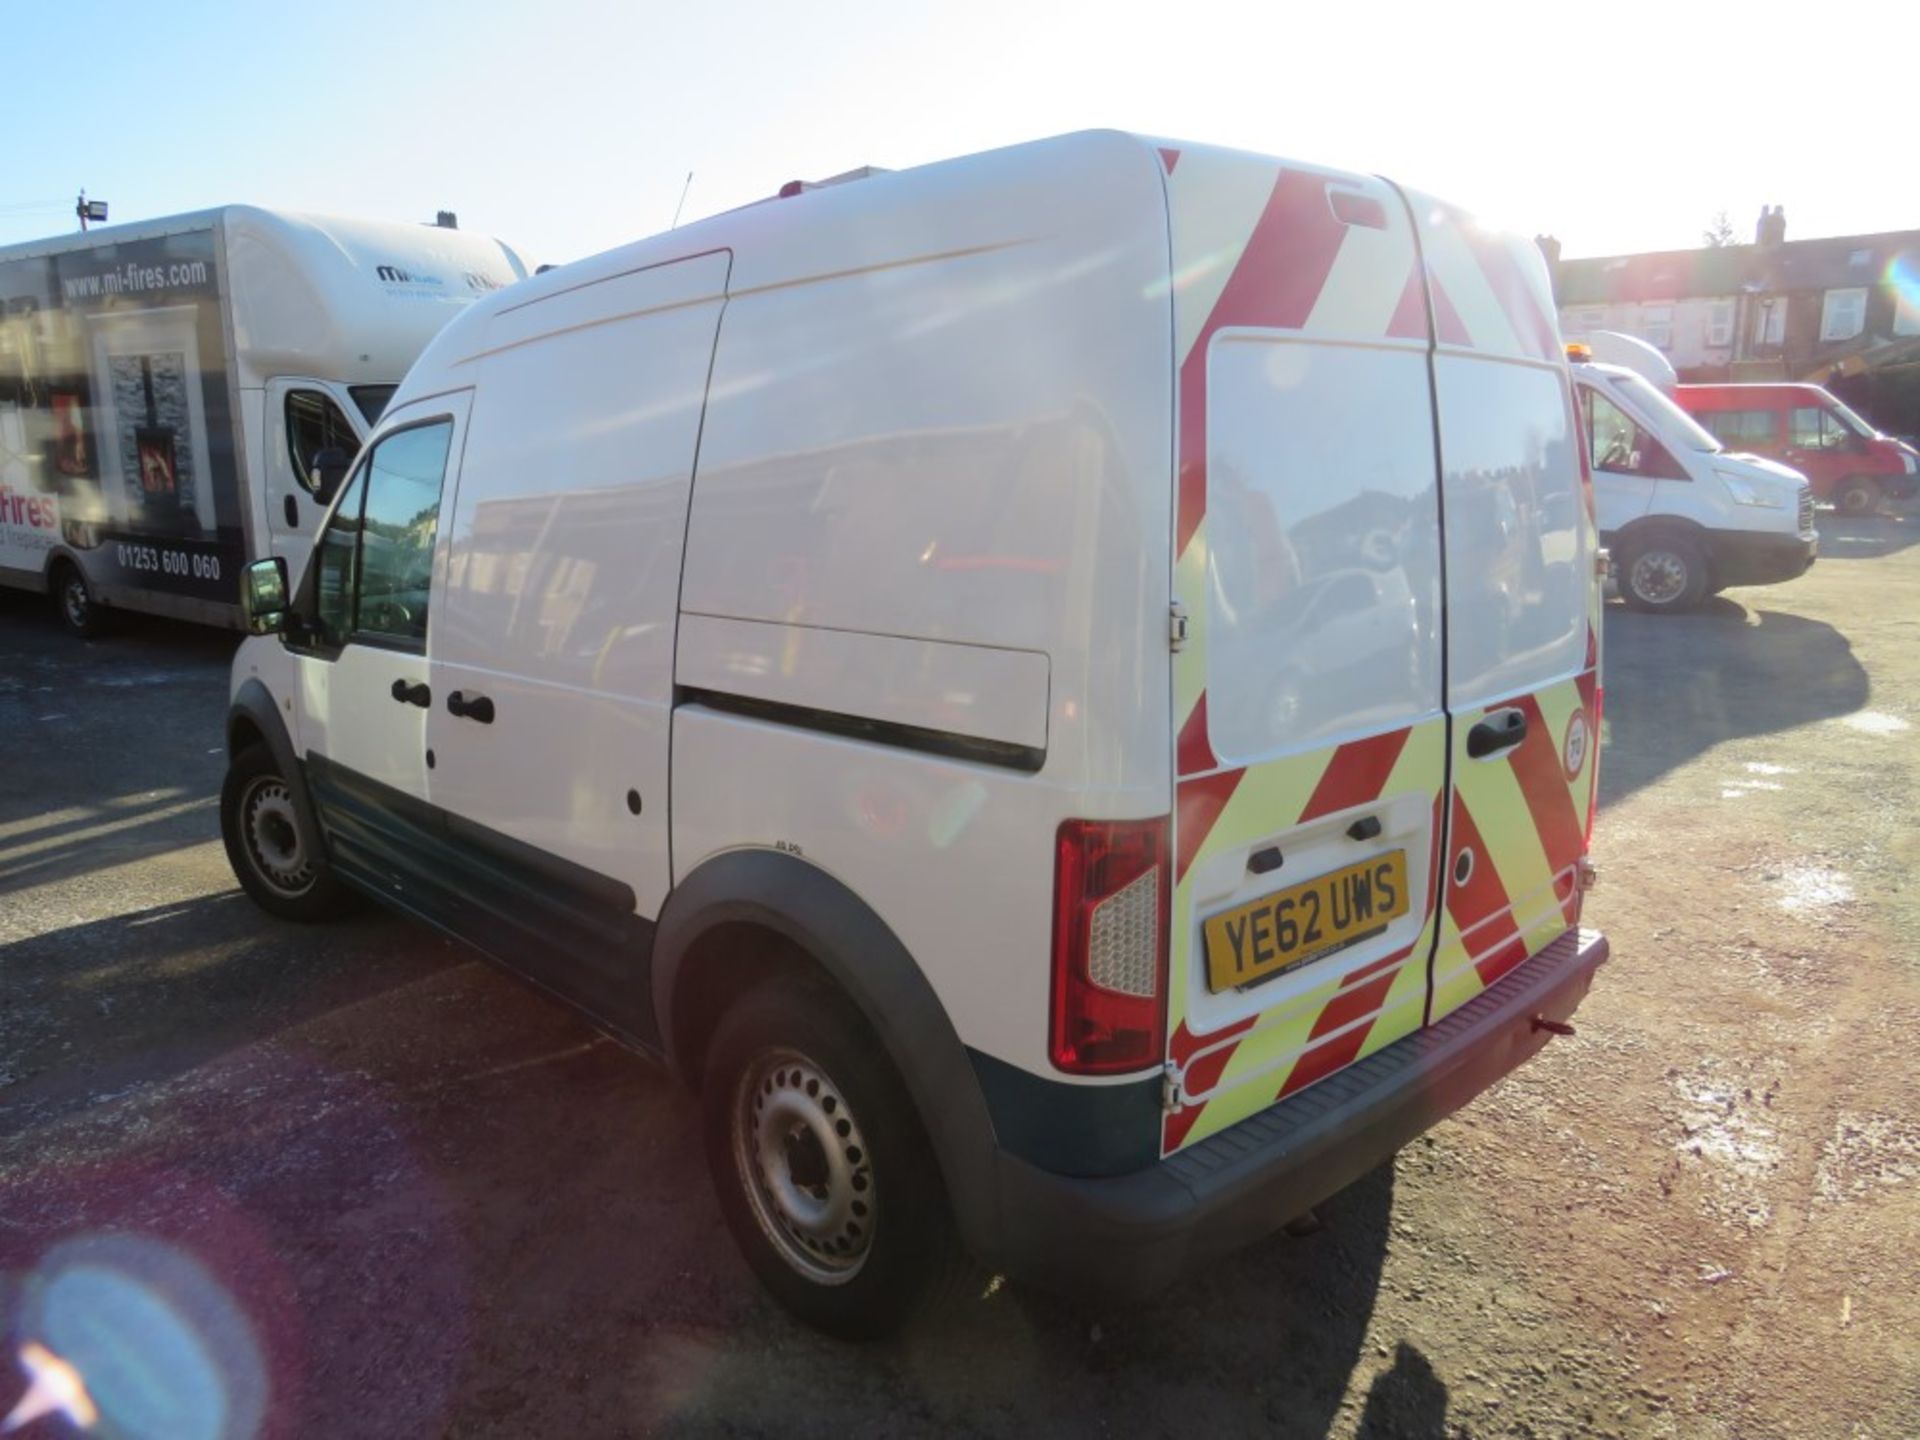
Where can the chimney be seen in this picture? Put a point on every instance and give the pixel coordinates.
(1771, 229)
(447, 220)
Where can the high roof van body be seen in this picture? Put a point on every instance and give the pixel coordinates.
(1058, 689)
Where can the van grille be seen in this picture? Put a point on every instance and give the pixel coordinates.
(1806, 508)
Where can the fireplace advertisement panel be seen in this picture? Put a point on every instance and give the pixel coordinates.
(116, 431)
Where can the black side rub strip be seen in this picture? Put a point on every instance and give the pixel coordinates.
(1003, 753)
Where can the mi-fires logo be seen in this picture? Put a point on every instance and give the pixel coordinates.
(473, 279)
(394, 275)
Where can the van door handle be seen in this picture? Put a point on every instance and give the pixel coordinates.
(416, 694)
(470, 707)
(292, 512)
(1498, 733)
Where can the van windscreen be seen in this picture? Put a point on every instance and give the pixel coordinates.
(1676, 426)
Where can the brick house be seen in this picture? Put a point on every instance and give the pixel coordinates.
(1772, 310)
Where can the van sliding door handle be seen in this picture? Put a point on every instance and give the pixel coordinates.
(470, 707)
(1498, 733)
(412, 694)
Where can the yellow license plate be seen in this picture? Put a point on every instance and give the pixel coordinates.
(1295, 926)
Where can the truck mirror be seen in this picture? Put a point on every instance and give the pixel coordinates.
(263, 596)
(330, 464)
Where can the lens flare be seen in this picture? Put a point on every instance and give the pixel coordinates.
(1903, 274)
(53, 1388)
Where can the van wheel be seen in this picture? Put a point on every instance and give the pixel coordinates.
(73, 597)
(1664, 573)
(259, 822)
(823, 1171)
(1857, 495)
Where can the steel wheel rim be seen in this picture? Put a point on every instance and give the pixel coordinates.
(1659, 577)
(1856, 500)
(74, 596)
(272, 832)
(804, 1166)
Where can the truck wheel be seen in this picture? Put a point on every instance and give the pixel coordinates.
(1857, 495)
(1664, 573)
(823, 1171)
(270, 858)
(73, 597)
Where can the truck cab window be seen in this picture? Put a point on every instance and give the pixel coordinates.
(314, 423)
(1812, 427)
(1622, 446)
(373, 570)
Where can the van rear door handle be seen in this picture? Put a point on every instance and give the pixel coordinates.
(470, 707)
(416, 694)
(1498, 733)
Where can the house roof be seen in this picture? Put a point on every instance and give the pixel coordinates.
(1824, 264)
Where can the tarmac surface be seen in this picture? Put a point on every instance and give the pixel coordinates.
(352, 1181)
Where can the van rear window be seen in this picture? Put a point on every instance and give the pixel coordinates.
(1322, 534)
(1740, 427)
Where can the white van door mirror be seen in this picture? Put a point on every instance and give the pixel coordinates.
(263, 596)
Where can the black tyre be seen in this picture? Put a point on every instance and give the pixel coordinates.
(1663, 573)
(270, 857)
(1857, 495)
(73, 598)
(823, 1171)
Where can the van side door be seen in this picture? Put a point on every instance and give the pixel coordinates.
(1618, 449)
(552, 658)
(361, 638)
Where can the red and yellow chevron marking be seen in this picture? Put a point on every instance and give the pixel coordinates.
(1233, 1072)
(1258, 244)
(1522, 819)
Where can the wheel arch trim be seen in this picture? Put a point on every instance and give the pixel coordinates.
(253, 704)
(859, 952)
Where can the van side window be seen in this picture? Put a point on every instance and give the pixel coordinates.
(314, 423)
(398, 526)
(1622, 446)
(1734, 428)
(1812, 428)
(373, 570)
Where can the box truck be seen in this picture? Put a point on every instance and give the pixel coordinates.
(178, 396)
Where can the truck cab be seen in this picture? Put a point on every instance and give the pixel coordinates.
(1850, 464)
(1682, 515)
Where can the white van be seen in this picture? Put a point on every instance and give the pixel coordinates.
(175, 393)
(1681, 516)
(966, 666)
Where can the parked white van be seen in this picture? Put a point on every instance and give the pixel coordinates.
(1681, 516)
(870, 649)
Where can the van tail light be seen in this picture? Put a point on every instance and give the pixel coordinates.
(1593, 780)
(1112, 911)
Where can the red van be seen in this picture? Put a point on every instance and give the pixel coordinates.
(1851, 465)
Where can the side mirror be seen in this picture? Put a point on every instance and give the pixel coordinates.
(329, 469)
(263, 596)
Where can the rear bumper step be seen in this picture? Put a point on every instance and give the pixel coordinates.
(1122, 1237)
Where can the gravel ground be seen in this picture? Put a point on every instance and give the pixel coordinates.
(407, 1196)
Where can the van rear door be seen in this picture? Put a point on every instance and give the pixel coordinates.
(1310, 750)
(1522, 607)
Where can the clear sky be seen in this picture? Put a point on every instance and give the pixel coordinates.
(568, 126)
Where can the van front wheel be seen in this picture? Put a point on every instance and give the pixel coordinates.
(80, 612)
(266, 846)
(1664, 573)
(824, 1175)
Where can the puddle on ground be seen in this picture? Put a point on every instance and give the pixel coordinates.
(1875, 722)
(1866, 1153)
(1722, 1127)
(1811, 888)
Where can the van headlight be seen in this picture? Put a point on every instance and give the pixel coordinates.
(1745, 492)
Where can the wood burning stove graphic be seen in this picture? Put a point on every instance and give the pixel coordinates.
(151, 399)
